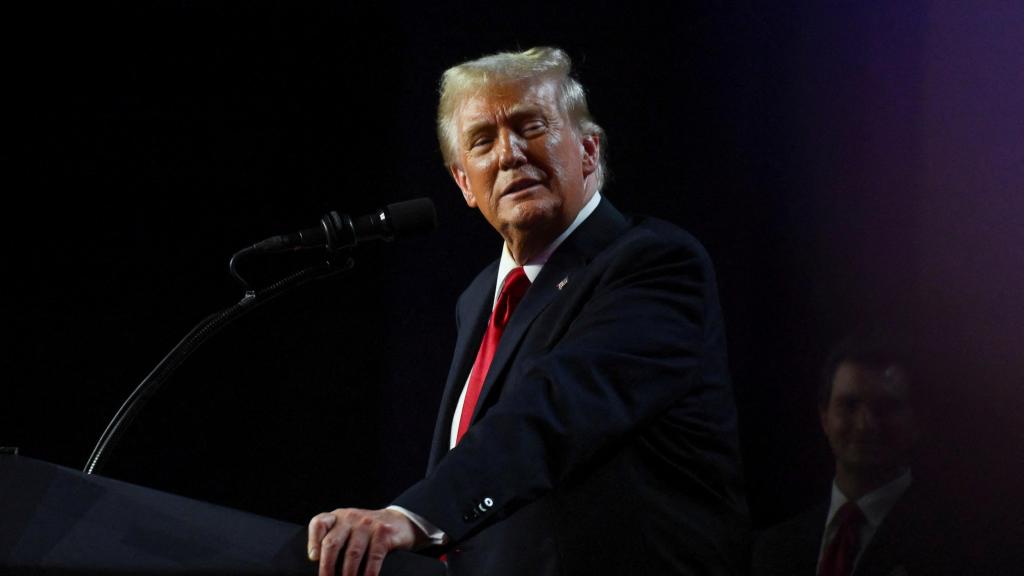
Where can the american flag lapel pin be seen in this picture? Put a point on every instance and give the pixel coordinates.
(563, 282)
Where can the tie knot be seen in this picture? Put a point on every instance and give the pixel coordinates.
(849, 514)
(512, 291)
(515, 279)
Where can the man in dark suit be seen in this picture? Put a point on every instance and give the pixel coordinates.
(588, 425)
(879, 521)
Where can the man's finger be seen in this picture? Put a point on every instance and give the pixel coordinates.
(380, 544)
(356, 548)
(318, 528)
(331, 546)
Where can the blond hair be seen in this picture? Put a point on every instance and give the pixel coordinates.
(469, 77)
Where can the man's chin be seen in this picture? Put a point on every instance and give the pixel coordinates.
(532, 215)
(872, 464)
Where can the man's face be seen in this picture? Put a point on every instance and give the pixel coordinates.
(868, 420)
(519, 159)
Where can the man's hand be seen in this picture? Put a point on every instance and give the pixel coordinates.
(359, 533)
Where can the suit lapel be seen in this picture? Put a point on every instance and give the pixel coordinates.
(796, 552)
(886, 548)
(593, 235)
(474, 312)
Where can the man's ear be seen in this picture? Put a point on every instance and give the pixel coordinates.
(459, 175)
(591, 145)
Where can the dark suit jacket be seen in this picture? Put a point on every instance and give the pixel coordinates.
(915, 538)
(604, 441)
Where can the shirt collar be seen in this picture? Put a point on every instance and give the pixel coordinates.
(534, 265)
(876, 504)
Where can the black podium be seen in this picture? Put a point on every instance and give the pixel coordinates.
(55, 520)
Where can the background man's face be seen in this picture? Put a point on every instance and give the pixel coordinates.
(868, 420)
(519, 159)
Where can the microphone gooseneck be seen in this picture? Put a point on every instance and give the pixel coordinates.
(336, 232)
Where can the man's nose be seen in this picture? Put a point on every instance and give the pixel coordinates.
(866, 419)
(511, 150)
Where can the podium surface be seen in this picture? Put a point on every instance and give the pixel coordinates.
(55, 520)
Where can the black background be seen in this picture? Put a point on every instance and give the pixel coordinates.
(843, 162)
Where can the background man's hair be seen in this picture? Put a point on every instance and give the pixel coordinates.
(872, 348)
(463, 80)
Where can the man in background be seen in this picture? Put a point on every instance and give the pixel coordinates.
(878, 520)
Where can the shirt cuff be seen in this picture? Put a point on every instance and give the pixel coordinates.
(434, 534)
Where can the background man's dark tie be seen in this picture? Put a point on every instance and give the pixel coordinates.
(842, 550)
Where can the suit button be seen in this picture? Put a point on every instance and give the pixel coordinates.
(488, 502)
(467, 517)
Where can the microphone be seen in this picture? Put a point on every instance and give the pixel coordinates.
(339, 231)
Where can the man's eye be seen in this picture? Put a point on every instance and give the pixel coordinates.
(480, 142)
(534, 128)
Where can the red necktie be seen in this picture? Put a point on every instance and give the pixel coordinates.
(512, 292)
(841, 551)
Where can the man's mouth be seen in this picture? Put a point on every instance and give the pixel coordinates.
(520, 185)
(868, 445)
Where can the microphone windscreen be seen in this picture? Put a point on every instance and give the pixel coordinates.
(412, 217)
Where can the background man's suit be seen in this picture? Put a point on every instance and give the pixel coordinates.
(604, 440)
(916, 537)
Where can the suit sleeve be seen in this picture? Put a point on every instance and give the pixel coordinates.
(631, 348)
